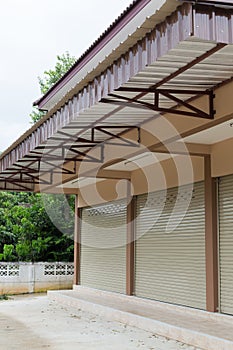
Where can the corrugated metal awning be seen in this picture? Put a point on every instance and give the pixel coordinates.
(173, 64)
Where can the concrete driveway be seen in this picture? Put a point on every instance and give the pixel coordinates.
(34, 322)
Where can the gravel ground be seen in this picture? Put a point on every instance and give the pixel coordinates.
(34, 322)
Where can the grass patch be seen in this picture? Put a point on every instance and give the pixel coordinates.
(4, 297)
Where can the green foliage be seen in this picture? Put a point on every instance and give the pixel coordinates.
(24, 251)
(8, 252)
(63, 64)
(4, 297)
(51, 76)
(26, 231)
(36, 115)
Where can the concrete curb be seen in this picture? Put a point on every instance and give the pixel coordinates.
(198, 339)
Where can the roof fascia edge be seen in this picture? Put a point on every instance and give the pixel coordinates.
(89, 55)
(34, 128)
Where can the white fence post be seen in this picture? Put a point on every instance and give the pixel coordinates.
(31, 278)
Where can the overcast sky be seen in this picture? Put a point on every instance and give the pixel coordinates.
(32, 33)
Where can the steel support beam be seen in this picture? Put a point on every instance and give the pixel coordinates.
(191, 111)
(130, 246)
(77, 243)
(20, 186)
(43, 154)
(156, 88)
(211, 238)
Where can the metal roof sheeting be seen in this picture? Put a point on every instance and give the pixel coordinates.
(131, 26)
(168, 57)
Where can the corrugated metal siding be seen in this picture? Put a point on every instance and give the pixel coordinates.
(103, 247)
(215, 24)
(226, 243)
(170, 267)
(162, 37)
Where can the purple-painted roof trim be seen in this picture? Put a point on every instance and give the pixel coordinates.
(114, 28)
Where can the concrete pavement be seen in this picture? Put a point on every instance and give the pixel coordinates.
(34, 322)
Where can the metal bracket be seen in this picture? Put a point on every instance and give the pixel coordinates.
(191, 110)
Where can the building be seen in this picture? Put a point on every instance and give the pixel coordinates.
(140, 129)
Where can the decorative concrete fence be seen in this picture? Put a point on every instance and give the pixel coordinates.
(17, 278)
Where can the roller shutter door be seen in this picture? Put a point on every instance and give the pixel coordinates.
(103, 247)
(226, 243)
(170, 267)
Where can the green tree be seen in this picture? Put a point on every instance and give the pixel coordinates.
(26, 231)
(8, 253)
(51, 76)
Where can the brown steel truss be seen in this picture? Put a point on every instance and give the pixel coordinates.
(158, 90)
(21, 175)
(190, 111)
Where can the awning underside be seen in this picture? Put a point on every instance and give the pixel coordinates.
(155, 77)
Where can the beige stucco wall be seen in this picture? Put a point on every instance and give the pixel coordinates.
(222, 160)
(166, 174)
